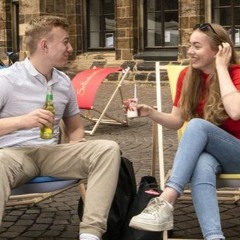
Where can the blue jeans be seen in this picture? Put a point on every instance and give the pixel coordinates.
(204, 151)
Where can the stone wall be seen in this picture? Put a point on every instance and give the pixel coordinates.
(125, 29)
(5, 28)
(126, 36)
(64, 8)
(191, 12)
(141, 71)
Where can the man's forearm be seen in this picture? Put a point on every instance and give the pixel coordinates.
(8, 125)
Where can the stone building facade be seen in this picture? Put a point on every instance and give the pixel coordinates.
(128, 49)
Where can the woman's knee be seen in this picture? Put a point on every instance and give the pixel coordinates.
(199, 126)
(206, 168)
(198, 123)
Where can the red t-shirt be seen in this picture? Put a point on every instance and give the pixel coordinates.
(229, 125)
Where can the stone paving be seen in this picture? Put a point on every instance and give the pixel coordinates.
(57, 218)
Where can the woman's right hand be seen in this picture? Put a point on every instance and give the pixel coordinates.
(143, 109)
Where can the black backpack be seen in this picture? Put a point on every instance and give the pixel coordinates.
(122, 202)
(148, 189)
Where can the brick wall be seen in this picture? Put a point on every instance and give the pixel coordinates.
(191, 12)
(127, 28)
(5, 28)
(65, 8)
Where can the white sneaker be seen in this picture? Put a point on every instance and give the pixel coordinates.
(157, 216)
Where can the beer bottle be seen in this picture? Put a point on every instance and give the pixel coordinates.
(47, 132)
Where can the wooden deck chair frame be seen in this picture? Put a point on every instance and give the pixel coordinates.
(37, 190)
(230, 181)
(43, 187)
(86, 84)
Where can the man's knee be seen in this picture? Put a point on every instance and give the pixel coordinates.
(113, 149)
(109, 146)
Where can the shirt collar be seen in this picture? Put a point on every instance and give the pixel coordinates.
(33, 71)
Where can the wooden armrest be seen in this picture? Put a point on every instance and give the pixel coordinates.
(229, 176)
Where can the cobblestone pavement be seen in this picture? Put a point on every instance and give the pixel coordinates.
(57, 218)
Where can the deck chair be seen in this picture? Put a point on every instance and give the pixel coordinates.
(224, 180)
(86, 85)
(43, 187)
(37, 190)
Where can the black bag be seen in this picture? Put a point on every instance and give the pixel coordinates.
(147, 190)
(122, 201)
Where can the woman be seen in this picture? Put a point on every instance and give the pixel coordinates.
(208, 97)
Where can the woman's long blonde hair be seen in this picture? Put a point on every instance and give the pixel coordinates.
(193, 91)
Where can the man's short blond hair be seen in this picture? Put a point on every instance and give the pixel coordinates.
(41, 27)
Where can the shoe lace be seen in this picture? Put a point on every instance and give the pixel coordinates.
(154, 205)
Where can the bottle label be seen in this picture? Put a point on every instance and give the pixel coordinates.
(46, 133)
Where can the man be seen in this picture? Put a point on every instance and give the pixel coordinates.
(24, 155)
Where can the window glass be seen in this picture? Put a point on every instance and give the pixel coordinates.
(108, 6)
(170, 5)
(226, 13)
(237, 26)
(101, 23)
(153, 5)
(171, 30)
(237, 15)
(161, 23)
(223, 2)
(154, 36)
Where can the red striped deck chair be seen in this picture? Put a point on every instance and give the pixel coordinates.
(86, 84)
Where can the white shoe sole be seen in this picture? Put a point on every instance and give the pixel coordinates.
(151, 227)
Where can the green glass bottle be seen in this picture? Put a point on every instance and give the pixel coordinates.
(47, 132)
